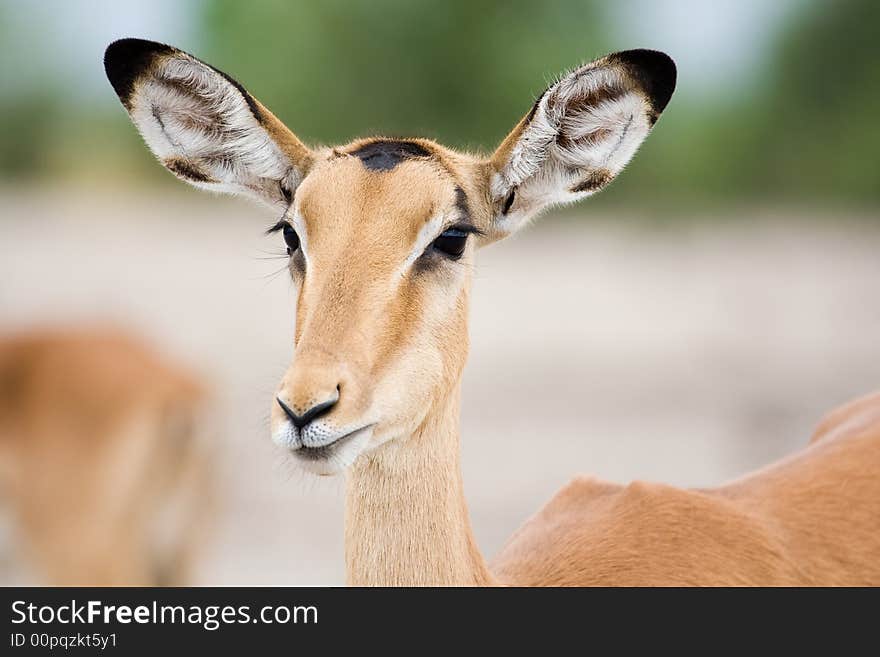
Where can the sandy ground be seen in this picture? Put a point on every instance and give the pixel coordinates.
(688, 355)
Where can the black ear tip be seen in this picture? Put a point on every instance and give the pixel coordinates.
(655, 70)
(126, 59)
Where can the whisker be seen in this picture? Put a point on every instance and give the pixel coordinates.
(270, 256)
(273, 275)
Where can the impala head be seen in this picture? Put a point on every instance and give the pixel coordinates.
(382, 232)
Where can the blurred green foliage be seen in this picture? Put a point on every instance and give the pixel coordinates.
(820, 111)
(462, 72)
(805, 128)
(808, 132)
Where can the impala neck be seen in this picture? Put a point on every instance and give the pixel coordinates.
(406, 521)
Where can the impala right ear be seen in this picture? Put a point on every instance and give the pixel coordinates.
(203, 125)
(579, 135)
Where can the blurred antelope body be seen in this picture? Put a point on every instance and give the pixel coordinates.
(382, 235)
(104, 480)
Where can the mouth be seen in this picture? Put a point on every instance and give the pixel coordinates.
(325, 452)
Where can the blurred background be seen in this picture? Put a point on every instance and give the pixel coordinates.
(687, 325)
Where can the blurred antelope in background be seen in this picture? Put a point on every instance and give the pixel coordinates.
(104, 477)
(382, 235)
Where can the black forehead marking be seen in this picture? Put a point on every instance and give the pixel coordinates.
(384, 155)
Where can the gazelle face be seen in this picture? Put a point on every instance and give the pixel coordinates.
(381, 239)
(381, 233)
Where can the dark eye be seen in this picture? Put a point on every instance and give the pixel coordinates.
(290, 238)
(451, 242)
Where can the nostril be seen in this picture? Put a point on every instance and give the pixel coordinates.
(299, 421)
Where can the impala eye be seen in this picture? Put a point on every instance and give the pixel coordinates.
(452, 242)
(290, 238)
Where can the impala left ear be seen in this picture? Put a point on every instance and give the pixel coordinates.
(579, 135)
(203, 126)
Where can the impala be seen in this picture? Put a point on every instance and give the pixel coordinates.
(105, 475)
(382, 235)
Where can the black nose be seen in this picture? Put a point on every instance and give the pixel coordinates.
(299, 421)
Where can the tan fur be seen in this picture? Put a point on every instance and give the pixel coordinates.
(406, 521)
(381, 336)
(103, 474)
(811, 519)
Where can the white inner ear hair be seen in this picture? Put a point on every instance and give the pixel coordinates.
(201, 127)
(583, 131)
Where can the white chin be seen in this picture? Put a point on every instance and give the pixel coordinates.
(335, 458)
